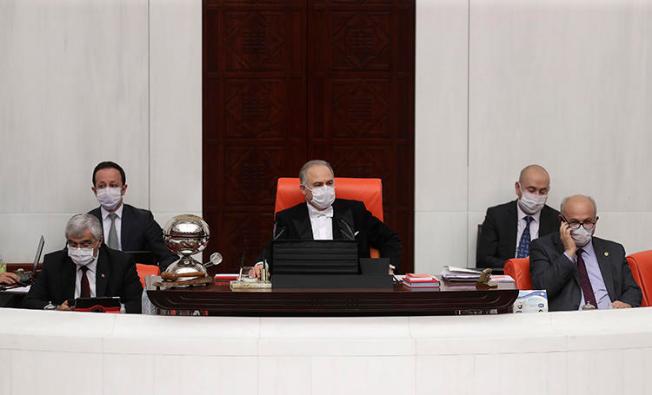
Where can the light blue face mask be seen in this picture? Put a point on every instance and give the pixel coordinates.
(322, 197)
(81, 256)
(581, 236)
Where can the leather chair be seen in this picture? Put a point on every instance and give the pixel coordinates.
(640, 263)
(519, 269)
(367, 190)
(146, 270)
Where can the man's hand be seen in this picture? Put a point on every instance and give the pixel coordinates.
(569, 244)
(255, 271)
(620, 305)
(64, 306)
(9, 278)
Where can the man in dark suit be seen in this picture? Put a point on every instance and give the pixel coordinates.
(509, 228)
(126, 228)
(86, 268)
(579, 270)
(323, 217)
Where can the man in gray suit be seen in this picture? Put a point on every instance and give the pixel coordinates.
(580, 271)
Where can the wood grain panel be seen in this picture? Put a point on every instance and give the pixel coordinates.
(285, 81)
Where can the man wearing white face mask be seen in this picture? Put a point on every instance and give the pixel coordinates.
(509, 228)
(125, 227)
(578, 270)
(85, 269)
(324, 217)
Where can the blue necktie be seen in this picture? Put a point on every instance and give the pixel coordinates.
(524, 244)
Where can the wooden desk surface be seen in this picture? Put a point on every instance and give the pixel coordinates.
(218, 299)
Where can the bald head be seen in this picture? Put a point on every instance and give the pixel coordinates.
(534, 179)
(579, 208)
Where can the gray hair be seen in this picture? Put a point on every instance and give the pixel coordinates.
(311, 163)
(567, 198)
(79, 223)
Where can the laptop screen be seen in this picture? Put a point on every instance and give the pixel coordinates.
(39, 251)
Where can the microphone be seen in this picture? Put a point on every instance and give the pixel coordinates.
(276, 235)
(350, 235)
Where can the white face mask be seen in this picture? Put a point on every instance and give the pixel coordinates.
(322, 197)
(81, 256)
(531, 203)
(581, 236)
(109, 198)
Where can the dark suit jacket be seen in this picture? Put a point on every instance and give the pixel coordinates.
(140, 232)
(294, 224)
(497, 241)
(115, 276)
(553, 271)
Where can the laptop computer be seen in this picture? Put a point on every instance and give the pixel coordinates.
(27, 276)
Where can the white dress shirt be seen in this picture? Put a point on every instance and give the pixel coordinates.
(321, 223)
(106, 224)
(90, 274)
(520, 226)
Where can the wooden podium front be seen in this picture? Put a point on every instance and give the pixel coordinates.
(218, 299)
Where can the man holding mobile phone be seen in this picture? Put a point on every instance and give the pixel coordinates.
(578, 270)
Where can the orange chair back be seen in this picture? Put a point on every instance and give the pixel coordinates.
(640, 264)
(146, 270)
(519, 269)
(367, 190)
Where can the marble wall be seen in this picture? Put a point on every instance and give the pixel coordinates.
(499, 84)
(89, 81)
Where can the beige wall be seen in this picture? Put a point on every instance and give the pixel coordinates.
(86, 81)
(501, 84)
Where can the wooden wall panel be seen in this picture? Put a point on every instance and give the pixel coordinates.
(287, 81)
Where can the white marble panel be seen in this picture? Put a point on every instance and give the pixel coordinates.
(636, 364)
(20, 233)
(38, 372)
(176, 105)
(540, 373)
(205, 336)
(5, 371)
(631, 229)
(335, 336)
(446, 375)
(76, 332)
(475, 218)
(564, 84)
(284, 375)
(358, 375)
(206, 375)
(441, 106)
(128, 374)
(440, 239)
(595, 372)
(74, 92)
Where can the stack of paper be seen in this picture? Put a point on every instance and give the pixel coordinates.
(414, 280)
(460, 274)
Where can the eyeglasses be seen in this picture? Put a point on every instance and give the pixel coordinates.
(575, 225)
(83, 244)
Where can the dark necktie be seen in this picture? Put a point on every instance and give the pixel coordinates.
(524, 244)
(112, 242)
(585, 283)
(85, 285)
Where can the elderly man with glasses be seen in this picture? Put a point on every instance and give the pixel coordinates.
(86, 268)
(580, 271)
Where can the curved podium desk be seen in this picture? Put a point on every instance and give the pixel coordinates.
(218, 299)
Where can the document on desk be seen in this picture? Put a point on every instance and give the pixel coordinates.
(452, 273)
(18, 290)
